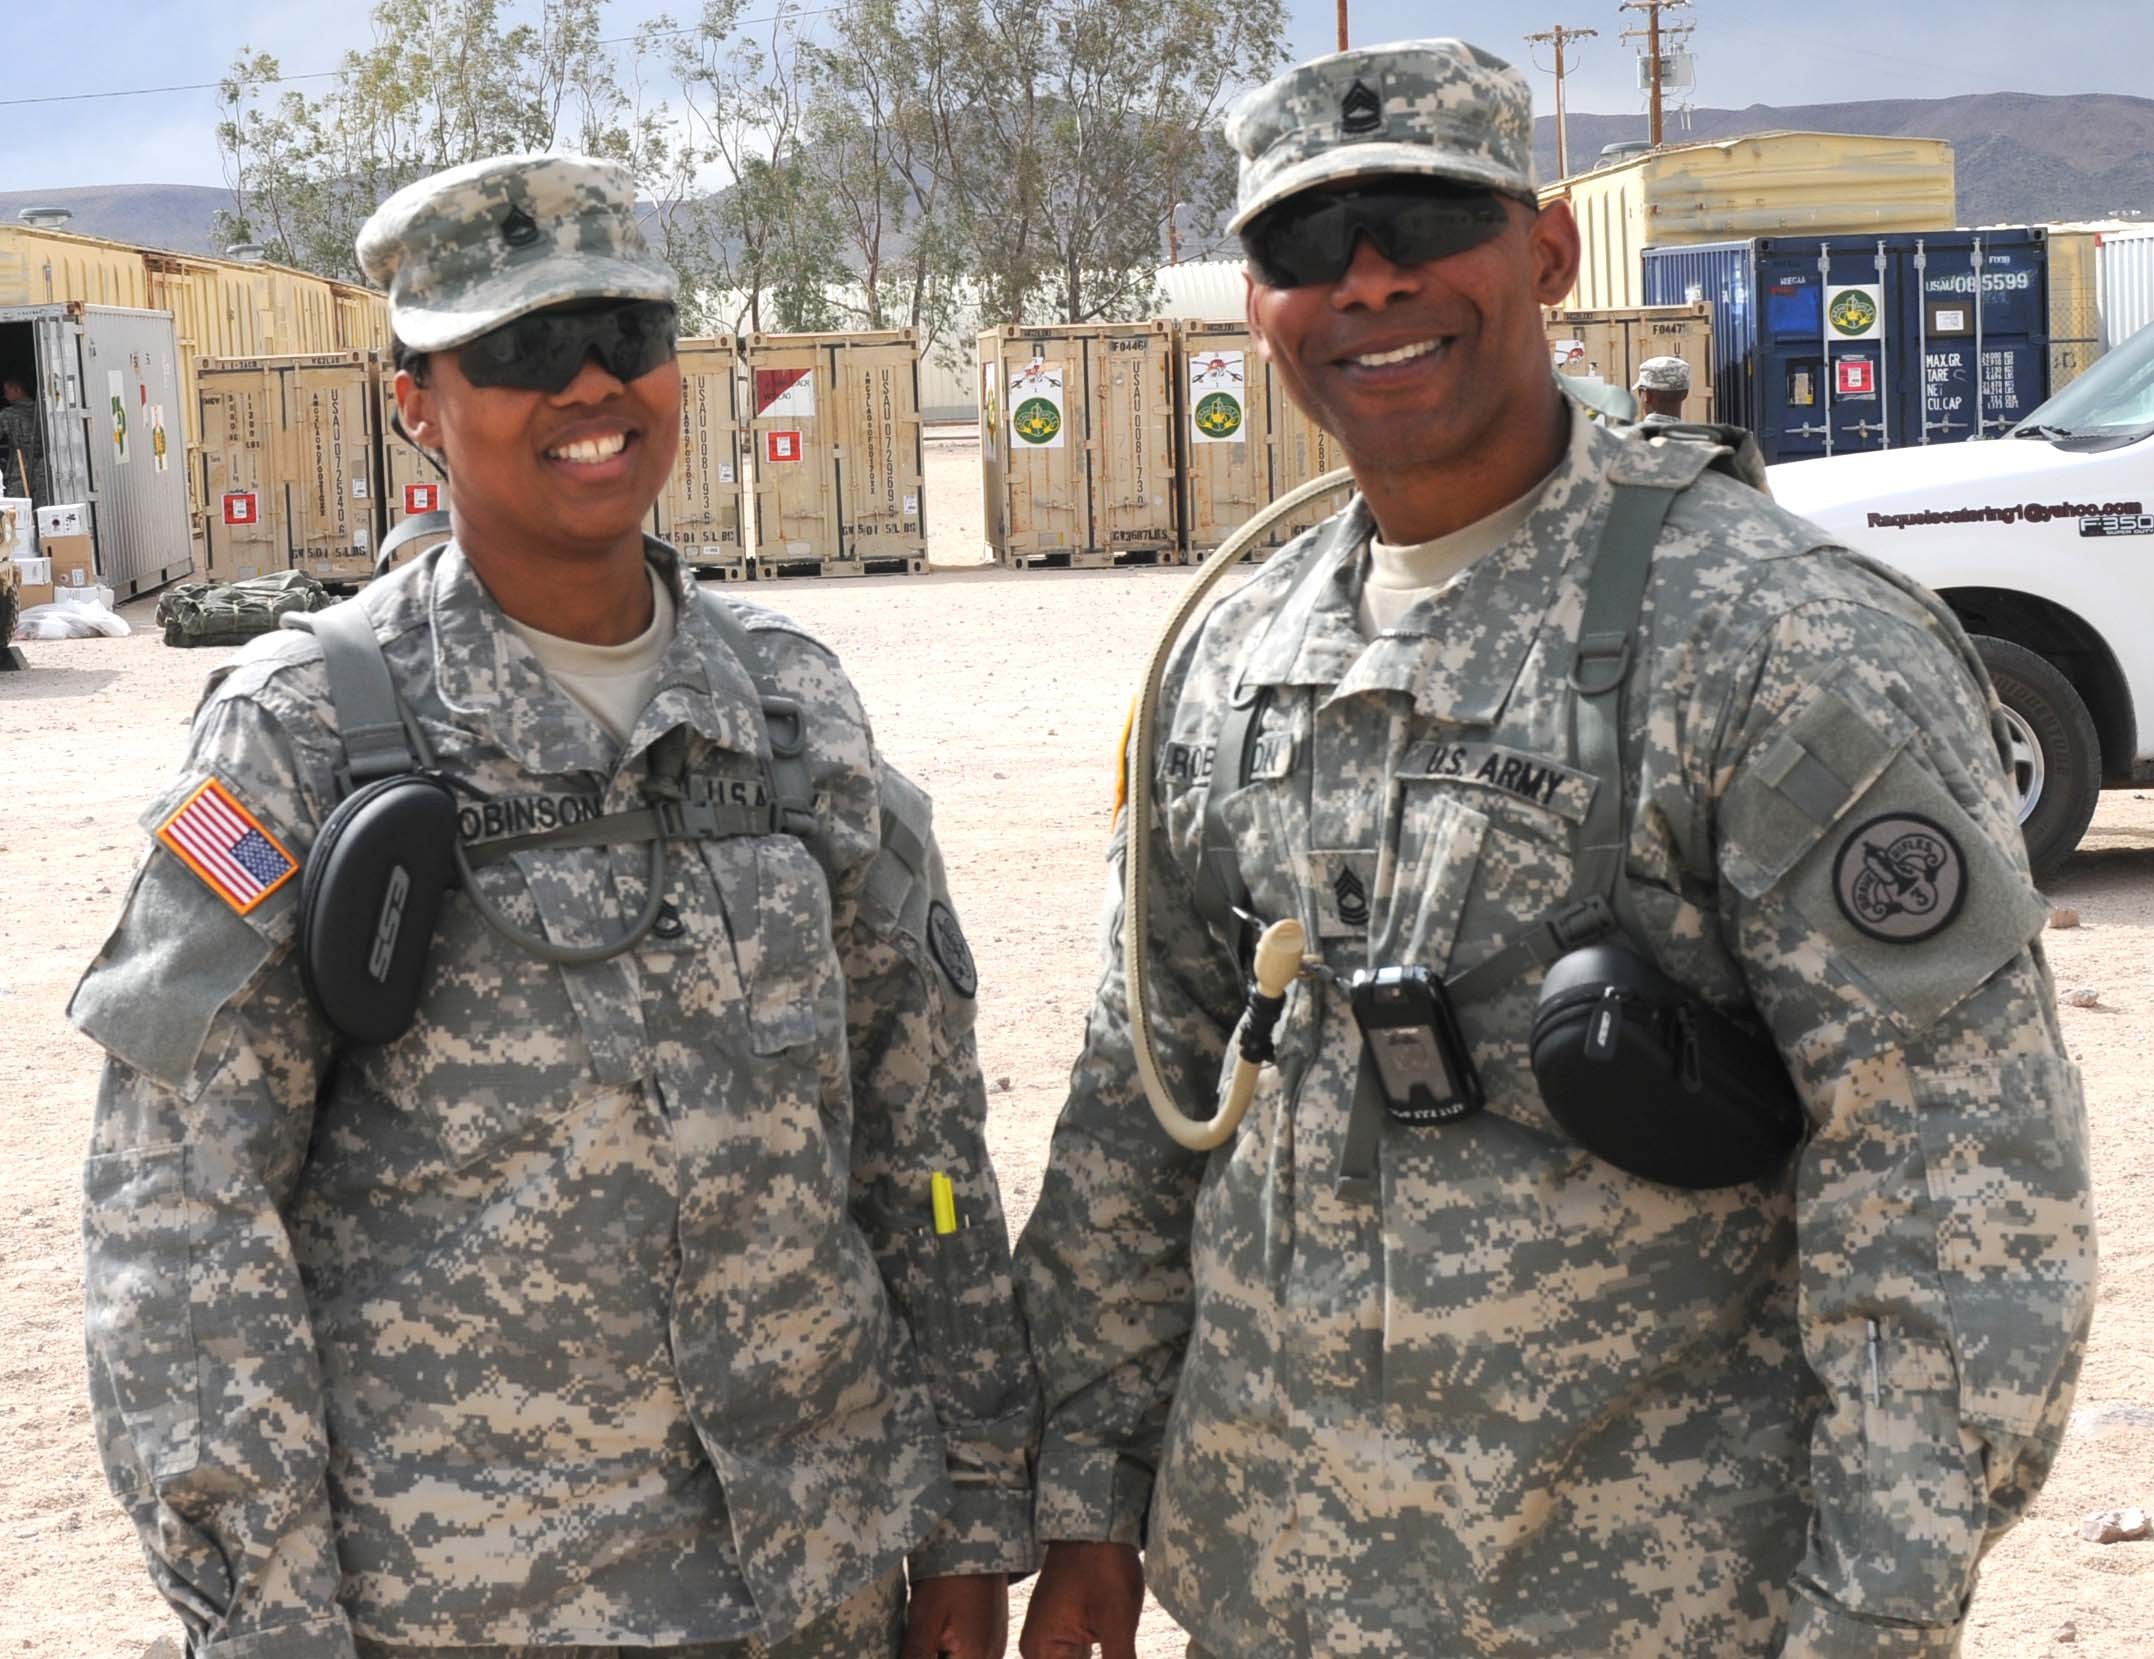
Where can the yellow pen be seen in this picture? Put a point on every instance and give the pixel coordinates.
(945, 1198)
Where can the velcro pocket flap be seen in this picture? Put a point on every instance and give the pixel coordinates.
(1821, 757)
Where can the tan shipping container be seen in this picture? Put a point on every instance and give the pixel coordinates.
(834, 437)
(1610, 345)
(331, 414)
(1764, 185)
(700, 512)
(1082, 468)
(1224, 481)
(410, 483)
(2075, 309)
(238, 420)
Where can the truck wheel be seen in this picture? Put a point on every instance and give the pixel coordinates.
(10, 614)
(2056, 757)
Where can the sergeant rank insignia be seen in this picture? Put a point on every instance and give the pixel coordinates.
(221, 841)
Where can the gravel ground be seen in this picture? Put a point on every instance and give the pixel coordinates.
(1003, 692)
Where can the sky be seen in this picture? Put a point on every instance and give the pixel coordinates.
(1746, 52)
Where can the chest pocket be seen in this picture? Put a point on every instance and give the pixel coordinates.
(1255, 818)
(777, 915)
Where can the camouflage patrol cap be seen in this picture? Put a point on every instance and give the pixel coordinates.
(480, 245)
(1439, 108)
(1662, 374)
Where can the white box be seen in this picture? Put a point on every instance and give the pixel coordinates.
(63, 521)
(101, 597)
(35, 572)
(18, 527)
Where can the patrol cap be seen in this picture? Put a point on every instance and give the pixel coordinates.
(467, 250)
(1438, 108)
(1662, 374)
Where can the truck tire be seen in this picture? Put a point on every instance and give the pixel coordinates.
(2057, 758)
(10, 614)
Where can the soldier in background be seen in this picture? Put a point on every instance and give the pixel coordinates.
(619, 1304)
(22, 443)
(1662, 385)
(1465, 1387)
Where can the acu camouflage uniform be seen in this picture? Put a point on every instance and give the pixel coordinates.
(1514, 1401)
(603, 1307)
(1507, 1400)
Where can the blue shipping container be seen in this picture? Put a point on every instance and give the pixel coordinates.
(1822, 345)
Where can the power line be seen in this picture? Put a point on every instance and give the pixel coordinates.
(1658, 44)
(1559, 34)
(332, 74)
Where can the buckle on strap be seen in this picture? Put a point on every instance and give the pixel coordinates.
(788, 731)
(1585, 923)
(1599, 663)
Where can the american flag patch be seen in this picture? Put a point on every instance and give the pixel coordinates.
(218, 839)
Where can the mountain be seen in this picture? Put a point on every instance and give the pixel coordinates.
(171, 216)
(2019, 159)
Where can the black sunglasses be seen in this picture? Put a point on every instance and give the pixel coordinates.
(542, 351)
(1310, 238)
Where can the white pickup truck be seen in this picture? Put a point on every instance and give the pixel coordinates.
(2042, 542)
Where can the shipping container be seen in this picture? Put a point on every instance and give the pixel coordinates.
(220, 307)
(1078, 455)
(107, 384)
(1766, 184)
(835, 440)
(2124, 267)
(291, 465)
(1245, 442)
(700, 512)
(1826, 345)
(1610, 345)
(411, 484)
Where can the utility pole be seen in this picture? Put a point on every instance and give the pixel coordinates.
(1558, 35)
(1342, 25)
(1651, 35)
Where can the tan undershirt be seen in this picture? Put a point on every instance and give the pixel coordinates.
(610, 683)
(1401, 577)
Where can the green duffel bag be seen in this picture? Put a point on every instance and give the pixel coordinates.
(231, 613)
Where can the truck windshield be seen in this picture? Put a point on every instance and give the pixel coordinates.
(2114, 399)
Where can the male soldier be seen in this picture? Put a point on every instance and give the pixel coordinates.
(607, 1308)
(1362, 1386)
(1662, 385)
(22, 444)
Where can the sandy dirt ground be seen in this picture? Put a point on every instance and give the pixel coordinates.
(1004, 693)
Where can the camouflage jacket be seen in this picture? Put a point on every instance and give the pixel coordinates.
(604, 1306)
(1517, 1402)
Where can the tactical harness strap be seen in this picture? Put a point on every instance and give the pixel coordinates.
(1607, 644)
(381, 739)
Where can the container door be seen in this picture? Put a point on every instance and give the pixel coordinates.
(1979, 308)
(1132, 448)
(1826, 366)
(1044, 437)
(796, 517)
(877, 419)
(1301, 450)
(243, 505)
(329, 414)
(410, 483)
(699, 513)
(1224, 428)
(61, 399)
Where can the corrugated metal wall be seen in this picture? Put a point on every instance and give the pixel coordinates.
(2125, 278)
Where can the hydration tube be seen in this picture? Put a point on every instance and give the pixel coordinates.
(1279, 951)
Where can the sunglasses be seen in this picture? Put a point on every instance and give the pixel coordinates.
(1310, 238)
(543, 351)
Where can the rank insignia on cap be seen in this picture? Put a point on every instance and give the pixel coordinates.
(946, 940)
(1361, 110)
(1900, 878)
(519, 229)
(220, 840)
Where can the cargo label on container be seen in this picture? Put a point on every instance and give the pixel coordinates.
(781, 446)
(1856, 313)
(1036, 407)
(1216, 391)
(422, 498)
(116, 390)
(1857, 377)
(242, 507)
(785, 392)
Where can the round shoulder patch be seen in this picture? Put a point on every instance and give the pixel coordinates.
(946, 942)
(1900, 878)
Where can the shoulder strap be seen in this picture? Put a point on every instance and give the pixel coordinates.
(792, 790)
(369, 718)
(415, 528)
